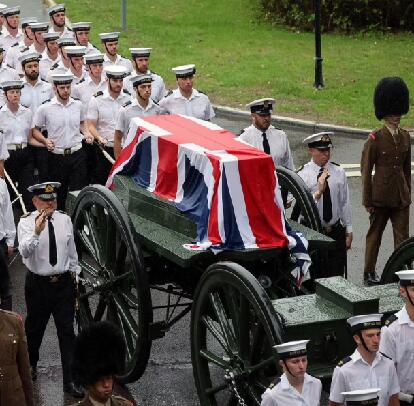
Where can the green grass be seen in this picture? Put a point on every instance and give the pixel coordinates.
(239, 58)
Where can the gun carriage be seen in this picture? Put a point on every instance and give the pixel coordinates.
(137, 273)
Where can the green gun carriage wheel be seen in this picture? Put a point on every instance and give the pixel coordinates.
(113, 283)
(401, 259)
(233, 329)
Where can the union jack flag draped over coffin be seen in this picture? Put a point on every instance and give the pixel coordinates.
(228, 188)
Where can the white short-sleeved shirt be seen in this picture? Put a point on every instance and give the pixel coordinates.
(339, 191)
(13, 54)
(8, 40)
(4, 153)
(46, 63)
(33, 96)
(6, 74)
(284, 394)
(86, 88)
(358, 374)
(35, 249)
(397, 342)
(134, 109)
(278, 143)
(16, 126)
(120, 60)
(62, 121)
(198, 105)
(157, 86)
(7, 227)
(61, 68)
(105, 110)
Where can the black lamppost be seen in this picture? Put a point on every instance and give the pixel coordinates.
(318, 46)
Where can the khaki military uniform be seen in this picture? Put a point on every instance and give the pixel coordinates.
(15, 379)
(114, 401)
(388, 191)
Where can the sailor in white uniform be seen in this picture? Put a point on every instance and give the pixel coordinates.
(81, 33)
(140, 61)
(38, 30)
(11, 31)
(140, 105)
(57, 14)
(110, 41)
(185, 99)
(366, 367)
(328, 184)
(6, 74)
(51, 54)
(264, 136)
(296, 387)
(72, 63)
(397, 338)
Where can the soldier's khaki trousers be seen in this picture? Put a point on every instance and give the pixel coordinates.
(378, 220)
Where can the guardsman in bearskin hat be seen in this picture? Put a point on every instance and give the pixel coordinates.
(98, 357)
(387, 194)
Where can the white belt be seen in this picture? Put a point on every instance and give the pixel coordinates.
(15, 147)
(66, 151)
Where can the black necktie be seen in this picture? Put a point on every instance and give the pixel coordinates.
(266, 146)
(52, 242)
(327, 202)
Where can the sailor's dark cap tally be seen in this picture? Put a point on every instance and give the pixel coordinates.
(45, 191)
(66, 41)
(263, 107)
(11, 11)
(364, 322)
(11, 85)
(93, 58)
(365, 397)
(291, 349)
(51, 36)
(82, 26)
(58, 8)
(27, 21)
(109, 36)
(406, 277)
(116, 71)
(62, 78)
(184, 71)
(140, 80)
(29, 57)
(320, 140)
(39, 27)
(75, 51)
(140, 52)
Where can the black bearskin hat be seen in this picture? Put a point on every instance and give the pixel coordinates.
(99, 351)
(391, 97)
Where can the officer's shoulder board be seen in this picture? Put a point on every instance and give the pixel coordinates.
(99, 93)
(69, 29)
(75, 98)
(273, 384)
(126, 92)
(14, 45)
(46, 101)
(153, 73)
(9, 66)
(385, 355)
(390, 320)
(200, 91)
(24, 105)
(334, 163)
(169, 93)
(343, 361)
(241, 132)
(373, 135)
(81, 81)
(127, 103)
(61, 211)
(26, 215)
(54, 66)
(44, 80)
(156, 103)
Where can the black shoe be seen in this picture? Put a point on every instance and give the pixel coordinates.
(33, 371)
(73, 390)
(371, 279)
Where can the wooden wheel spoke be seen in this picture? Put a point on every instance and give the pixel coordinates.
(89, 269)
(107, 234)
(100, 309)
(214, 359)
(93, 236)
(125, 315)
(257, 343)
(130, 299)
(84, 239)
(121, 256)
(226, 325)
(215, 331)
(244, 328)
(257, 367)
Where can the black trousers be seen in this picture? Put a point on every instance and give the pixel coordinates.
(5, 286)
(102, 166)
(90, 152)
(19, 165)
(43, 299)
(70, 171)
(40, 159)
(336, 258)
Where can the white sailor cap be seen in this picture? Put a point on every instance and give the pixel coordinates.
(184, 71)
(50, 36)
(62, 78)
(56, 9)
(116, 71)
(364, 322)
(11, 11)
(76, 50)
(96, 57)
(27, 57)
(320, 140)
(362, 397)
(141, 79)
(109, 36)
(11, 85)
(38, 27)
(82, 26)
(66, 41)
(406, 277)
(2, 7)
(140, 52)
(292, 349)
(27, 21)
(45, 191)
(262, 106)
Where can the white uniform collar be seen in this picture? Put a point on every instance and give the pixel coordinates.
(177, 94)
(315, 166)
(54, 100)
(285, 384)
(135, 103)
(38, 82)
(356, 356)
